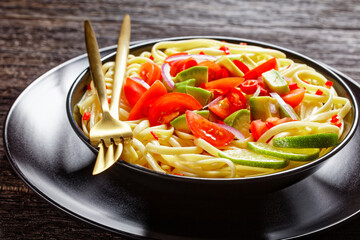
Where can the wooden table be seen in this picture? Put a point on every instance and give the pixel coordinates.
(38, 35)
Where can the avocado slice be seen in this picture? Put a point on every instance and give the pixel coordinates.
(203, 96)
(275, 82)
(180, 122)
(199, 73)
(240, 120)
(181, 86)
(263, 107)
(225, 62)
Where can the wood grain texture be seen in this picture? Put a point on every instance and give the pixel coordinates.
(38, 35)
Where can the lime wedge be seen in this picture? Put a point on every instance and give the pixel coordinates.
(249, 158)
(295, 154)
(320, 140)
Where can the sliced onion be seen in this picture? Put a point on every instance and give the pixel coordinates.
(165, 72)
(214, 101)
(257, 92)
(141, 81)
(284, 105)
(234, 131)
(197, 57)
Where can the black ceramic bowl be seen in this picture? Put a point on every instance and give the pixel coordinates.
(193, 186)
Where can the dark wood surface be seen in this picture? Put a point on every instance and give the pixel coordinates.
(38, 35)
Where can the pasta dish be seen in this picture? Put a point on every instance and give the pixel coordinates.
(213, 109)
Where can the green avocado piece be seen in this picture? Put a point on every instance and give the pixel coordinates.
(240, 120)
(180, 122)
(181, 86)
(263, 107)
(225, 62)
(284, 113)
(275, 82)
(203, 96)
(199, 73)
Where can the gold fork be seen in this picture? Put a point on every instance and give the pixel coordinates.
(108, 131)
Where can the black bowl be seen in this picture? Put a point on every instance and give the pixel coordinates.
(193, 186)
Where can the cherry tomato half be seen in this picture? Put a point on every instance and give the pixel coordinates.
(209, 131)
(233, 101)
(150, 72)
(141, 108)
(171, 105)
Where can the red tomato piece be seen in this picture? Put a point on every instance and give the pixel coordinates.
(133, 91)
(249, 86)
(141, 108)
(241, 66)
(209, 131)
(213, 68)
(293, 85)
(236, 99)
(233, 101)
(258, 128)
(257, 71)
(222, 73)
(294, 97)
(319, 92)
(181, 65)
(150, 72)
(171, 105)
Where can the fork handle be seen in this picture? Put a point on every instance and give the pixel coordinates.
(95, 65)
(120, 65)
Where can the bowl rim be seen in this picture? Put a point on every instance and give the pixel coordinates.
(320, 67)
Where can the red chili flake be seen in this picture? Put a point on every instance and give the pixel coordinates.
(109, 100)
(151, 57)
(86, 116)
(243, 43)
(335, 118)
(328, 84)
(106, 87)
(201, 53)
(338, 124)
(288, 66)
(293, 85)
(319, 92)
(179, 174)
(154, 135)
(225, 49)
(89, 86)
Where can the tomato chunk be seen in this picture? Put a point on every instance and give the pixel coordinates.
(209, 131)
(171, 105)
(150, 72)
(181, 65)
(133, 90)
(257, 71)
(294, 97)
(213, 68)
(233, 101)
(141, 108)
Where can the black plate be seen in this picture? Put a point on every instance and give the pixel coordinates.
(50, 158)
